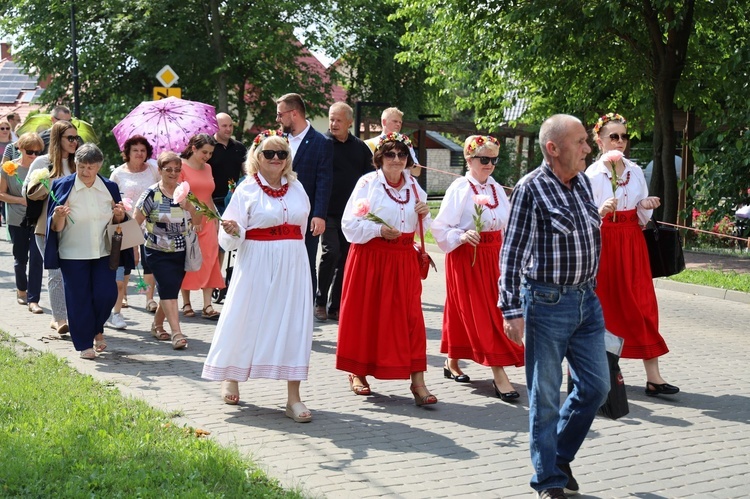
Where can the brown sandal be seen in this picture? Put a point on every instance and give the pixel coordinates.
(187, 310)
(179, 341)
(158, 332)
(210, 314)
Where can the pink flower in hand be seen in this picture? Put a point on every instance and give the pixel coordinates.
(181, 192)
(612, 156)
(127, 203)
(361, 207)
(481, 199)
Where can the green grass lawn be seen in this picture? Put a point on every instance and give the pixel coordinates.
(63, 434)
(715, 278)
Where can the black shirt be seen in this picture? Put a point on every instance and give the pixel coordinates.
(226, 163)
(351, 160)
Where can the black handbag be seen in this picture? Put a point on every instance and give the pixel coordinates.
(664, 249)
(616, 405)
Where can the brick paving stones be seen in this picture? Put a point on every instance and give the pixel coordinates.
(696, 444)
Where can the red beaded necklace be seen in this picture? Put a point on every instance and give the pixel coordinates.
(397, 199)
(623, 183)
(494, 196)
(274, 193)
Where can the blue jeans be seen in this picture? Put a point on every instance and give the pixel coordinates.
(26, 252)
(562, 322)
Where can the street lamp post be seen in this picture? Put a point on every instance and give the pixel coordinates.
(76, 97)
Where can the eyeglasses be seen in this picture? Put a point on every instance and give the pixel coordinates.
(32, 153)
(282, 113)
(4, 129)
(72, 138)
(269, 154)
(171, 170)
(486, 160)
(615, 137)
(392, 155)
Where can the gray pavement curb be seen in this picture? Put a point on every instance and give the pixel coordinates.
(698, 290)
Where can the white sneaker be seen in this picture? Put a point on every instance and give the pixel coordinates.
(117, 321)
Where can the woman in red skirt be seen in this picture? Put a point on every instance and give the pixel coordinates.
(469, 229)
(624, 284)
(381, 326)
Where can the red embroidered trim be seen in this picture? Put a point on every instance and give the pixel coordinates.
(274, 193)
(275, 233)
(397, 199)
(494, 195)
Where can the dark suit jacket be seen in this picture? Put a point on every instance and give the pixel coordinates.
(314, 166)
(62, 187)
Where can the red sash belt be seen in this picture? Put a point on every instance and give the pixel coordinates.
(624, 218)
(276, 233)
(492, 238)
(403, 243)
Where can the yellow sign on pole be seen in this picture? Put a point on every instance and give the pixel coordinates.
(167, 76)
(164, 92)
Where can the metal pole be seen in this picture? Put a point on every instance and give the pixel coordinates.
(76, 97)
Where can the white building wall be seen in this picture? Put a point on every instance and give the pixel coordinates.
(440, 159)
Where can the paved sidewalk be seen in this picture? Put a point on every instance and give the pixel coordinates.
(471, 444)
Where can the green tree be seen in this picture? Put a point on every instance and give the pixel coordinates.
(236, 53)
(366, 36)
(580, 58)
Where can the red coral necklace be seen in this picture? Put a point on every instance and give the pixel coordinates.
(494, 196)
(623, 183)
(274, 193)
(397, 199)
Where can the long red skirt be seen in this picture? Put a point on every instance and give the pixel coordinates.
(626, 290)
(381, 326)
(472, 322)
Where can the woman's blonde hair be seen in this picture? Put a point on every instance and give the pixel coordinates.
(477, 145)
(55, 149)
(30, 140)
(276, 143)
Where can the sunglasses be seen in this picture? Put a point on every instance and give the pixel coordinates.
(486, 160)
(615, 137)
(171, 170)
(72, 138)
(282, 113)
(33, 153)
(4, 129)
(392, 155)
(269, 154)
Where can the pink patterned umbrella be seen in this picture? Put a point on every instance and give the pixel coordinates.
(168, 124)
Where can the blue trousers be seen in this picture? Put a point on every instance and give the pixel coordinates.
(90, 294)
(562, 322)
(25, 251)
(335, 249)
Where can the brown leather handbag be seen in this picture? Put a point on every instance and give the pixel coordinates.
(424, 259)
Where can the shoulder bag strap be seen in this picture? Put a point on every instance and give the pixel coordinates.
(419, 217)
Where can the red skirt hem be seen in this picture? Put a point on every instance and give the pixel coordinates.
(626, 290)
(472, 322)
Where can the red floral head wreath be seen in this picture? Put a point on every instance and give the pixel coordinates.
(603, 120)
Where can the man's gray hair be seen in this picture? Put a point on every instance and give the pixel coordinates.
(554, 129)
(342, 106)
(60, 109)
(89, 154)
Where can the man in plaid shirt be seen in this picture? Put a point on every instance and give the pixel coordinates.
(549, 262)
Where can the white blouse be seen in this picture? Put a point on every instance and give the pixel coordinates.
(628, 196)
(456, 214)
(252, 208)
(374, 188)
